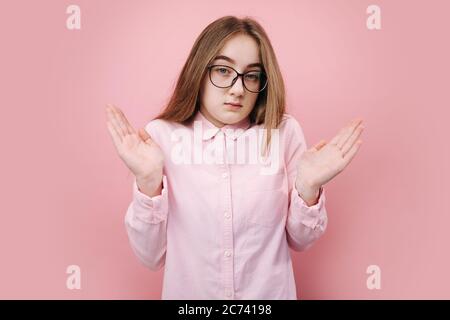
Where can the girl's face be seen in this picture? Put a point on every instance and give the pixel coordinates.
(240, 52)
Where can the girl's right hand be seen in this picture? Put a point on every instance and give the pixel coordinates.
(137, 149)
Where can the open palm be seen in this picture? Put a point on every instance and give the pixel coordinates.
(139, 152)
(324, 161)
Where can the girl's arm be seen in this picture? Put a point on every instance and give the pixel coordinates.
(305, 224)
(316, 166)
(146, 217)
(146, 223)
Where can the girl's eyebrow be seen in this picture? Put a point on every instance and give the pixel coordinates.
(234, 62)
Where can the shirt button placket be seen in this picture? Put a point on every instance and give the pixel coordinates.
(228, 256)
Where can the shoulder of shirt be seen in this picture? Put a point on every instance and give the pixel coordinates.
(163, 124)
(293, 132)
(158, 129)
(290, 124)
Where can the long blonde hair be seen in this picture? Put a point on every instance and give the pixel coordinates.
(184, 102)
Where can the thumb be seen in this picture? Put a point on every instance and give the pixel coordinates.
(319, 145)
(144, 135)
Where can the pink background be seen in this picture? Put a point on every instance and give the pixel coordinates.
(65, 191)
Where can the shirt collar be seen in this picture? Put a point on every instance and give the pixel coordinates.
(230, 130)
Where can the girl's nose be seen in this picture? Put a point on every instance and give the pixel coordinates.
(237, 87)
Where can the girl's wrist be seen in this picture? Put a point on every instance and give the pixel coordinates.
(149, 186)
(309, 193)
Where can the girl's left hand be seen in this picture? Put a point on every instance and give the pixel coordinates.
(324, 161)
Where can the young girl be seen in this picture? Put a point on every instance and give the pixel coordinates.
(224, 184)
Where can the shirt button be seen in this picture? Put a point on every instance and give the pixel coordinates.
(227, 215)
(228, 294)
(227, 253)
(224, 175)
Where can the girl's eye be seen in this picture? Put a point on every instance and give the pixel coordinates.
(223, 70)
(252, 76)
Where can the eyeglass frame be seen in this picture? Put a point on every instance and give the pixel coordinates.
(235, 78)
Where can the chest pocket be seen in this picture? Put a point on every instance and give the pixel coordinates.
(264, 199)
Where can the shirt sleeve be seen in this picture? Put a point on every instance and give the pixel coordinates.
(146, 226)
(305, 224)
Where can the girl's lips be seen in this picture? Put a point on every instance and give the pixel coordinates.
(234, 105)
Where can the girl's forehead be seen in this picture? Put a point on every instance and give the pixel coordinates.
(240, 51)
(240, 44)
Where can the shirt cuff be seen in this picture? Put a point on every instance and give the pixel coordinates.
(155, 202)
(311, 216)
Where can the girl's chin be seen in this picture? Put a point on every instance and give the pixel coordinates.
(229, 117)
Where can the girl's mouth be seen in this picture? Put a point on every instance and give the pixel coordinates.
(233, 105)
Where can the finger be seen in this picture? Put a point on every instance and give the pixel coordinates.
(118, 121)
(114, 135)
(144, 135)
(349, 143)
(348, 133)
(125, 121)
(352, 152)
(336, 139)
(113, 122)
(319, 145)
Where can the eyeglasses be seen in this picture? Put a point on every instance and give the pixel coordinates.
(224, 77)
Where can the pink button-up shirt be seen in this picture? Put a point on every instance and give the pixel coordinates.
(222, 227)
